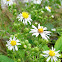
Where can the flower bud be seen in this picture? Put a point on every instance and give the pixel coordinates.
(36, 42)
(14, 14)
(14, 10)
(22, 43)
(26, 30)
(32, 49)
(26, 41)
(19, 60)
(36, 49)
(14, 4)
(29, 45)
(25, 46)
(40, 55)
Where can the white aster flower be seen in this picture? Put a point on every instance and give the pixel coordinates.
(36, 23)
(26, 1)
(12, 44)
(48, 8)
(42, 11)
(8, 2)
(25, 18)
(40, 30)
(53, 29)
(37, 1)
(52, 16)
(51, 54)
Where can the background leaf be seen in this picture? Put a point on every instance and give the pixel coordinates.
(45, 47)
(58, 44)
(5, 59)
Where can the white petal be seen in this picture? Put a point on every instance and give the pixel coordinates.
(57, 55)
(43, 36)
(47, 52)
(29, 22)
(35, 34)
(52, 48)
(10, 38)
(23, 21)
(44, 28)
(33, 31)
(48, 59)
(26, 21)
(57, 51)
(10, 47)
(18, 44)
(46, 56)
(47, 36)
(16, 48)
(17, 40)
(13, 49)
(47, 32)
(14, 38)
(51, 59)
(55, 58)
(34, 27)
(39, 26)
(53, 29)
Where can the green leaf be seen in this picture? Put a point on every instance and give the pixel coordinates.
(5, 59)
(21, 53)
(58, 44)
(45, 47)
(49, 26)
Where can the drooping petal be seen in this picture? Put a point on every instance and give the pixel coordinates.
(17, 40)
(45, 55)
(57, 51)
(43, 36)
(45, 28)
(35, 34)
(33, 31)
(16, 48)
(48, 59)
(10, 47)
(34, 27)
(18, 44)
(55, 58)
(14, 38)
(52, 48)
(57, 55)
(47, 52)
(10, 38)
(13, 49)
(51, 59)
(39, 26)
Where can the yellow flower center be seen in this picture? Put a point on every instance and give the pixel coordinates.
(25, 14)
(8, 0)
(49, 7)
(13, 43)
(40, 30)
(51, 53)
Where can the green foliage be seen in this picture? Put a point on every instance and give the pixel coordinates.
(31, 48)
(45, 47)
(58, 44)
(5, 59)
(21, 53)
